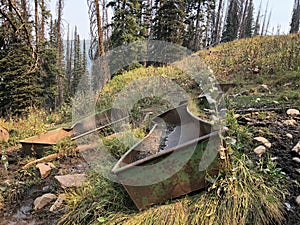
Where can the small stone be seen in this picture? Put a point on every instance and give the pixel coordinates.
(260, 150)
(4, 135)
(59, 201)
(298, 200)
(297, 148)
(293, 112)
(71, 180)
(276, 102)
(43, 200)
(274, 158)
(291, 122)
(298, 170)
(264, 141)
(290, 136)
(45, 169)
(296, 159)
(265, 87)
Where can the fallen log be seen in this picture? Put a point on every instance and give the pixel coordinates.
(52, 157)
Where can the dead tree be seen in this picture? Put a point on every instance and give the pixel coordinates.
(96, 51)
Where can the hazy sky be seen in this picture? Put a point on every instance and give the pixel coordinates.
(76, 13)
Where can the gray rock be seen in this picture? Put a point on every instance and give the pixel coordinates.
(260, 150)
(296, 159)
(291, 122)
(43, 200)
(263, 141)
(71, 180)
(298, 200)
(297, 148)
(293, 112)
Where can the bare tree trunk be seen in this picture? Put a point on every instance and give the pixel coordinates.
(264, 22)
(243, 20)
(268, 24)
(217, 26)
(36, 16)
(43, 21)
(99, 26)
(59, 54)
(69, 62)
(257, 22)
(197, 31)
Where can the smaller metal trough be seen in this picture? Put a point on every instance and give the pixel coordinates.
(37, 145)
(174, 159)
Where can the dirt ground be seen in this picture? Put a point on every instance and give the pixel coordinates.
(275, 125)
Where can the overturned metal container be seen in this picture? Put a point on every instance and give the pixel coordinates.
(38, 144)
(174, 159)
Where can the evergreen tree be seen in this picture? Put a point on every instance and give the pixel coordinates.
(19, 79)
(169, 21)
(232, 22)
(125, 26)
(295, 17)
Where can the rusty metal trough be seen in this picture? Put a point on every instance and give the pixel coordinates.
(38, 144)
(174, 159)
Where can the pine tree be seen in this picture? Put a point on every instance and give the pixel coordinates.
(295, 23)
(169, 21)
(125, 26)
(19, 80)
(232, 22)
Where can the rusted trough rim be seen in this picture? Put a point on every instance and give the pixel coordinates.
(117, 169)
(27, 140)
(68, 129)
(98, 128)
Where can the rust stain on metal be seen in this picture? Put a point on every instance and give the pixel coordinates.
(189, 146)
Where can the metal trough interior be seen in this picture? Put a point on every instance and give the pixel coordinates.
(37, 144)
(172, 160)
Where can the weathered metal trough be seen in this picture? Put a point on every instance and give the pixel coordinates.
(174, 159)
(38, 144)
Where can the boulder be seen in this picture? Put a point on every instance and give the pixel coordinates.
(71, 180)
(43, 200)
(45, 169)
(4, 135)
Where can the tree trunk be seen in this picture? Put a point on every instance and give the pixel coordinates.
(43, 21)
(59, 55)
(36, 16)
(218, 19)
(99, 26)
